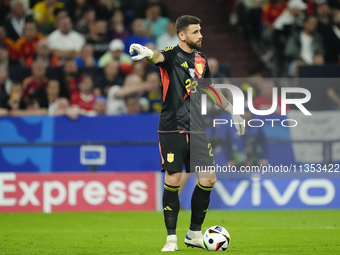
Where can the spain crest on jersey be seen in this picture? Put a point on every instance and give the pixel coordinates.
(170, 157)
(199, 68)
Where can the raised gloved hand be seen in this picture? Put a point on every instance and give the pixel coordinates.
(143, 52)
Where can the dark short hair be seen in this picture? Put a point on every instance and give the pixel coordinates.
(100, 20)
(308, 17)
(88, 8)
(30, 22)
(150, 5)
(32, 100)
(184, 21)
(86, 76)
(132, 96)
(69, 59)
(58, 10)
(54, 80)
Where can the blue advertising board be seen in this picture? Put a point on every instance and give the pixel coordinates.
(130, 143)
(274, 193)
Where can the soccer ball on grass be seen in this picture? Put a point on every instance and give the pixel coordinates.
(216, 238)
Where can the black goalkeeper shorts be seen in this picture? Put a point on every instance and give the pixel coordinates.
(192, 150)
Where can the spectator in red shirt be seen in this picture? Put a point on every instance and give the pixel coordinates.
(271, 11)
(44, 55)
(99, 108)
(36, 80)
(311, 6)
(265, 100)
(8, 42)
(5, 60)
(84, 99)
(26, 45)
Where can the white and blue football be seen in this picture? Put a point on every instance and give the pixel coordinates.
(216, 238)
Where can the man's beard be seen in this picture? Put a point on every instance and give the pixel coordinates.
(193, 45)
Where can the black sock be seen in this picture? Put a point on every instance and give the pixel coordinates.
(170, 208)
(199, 206)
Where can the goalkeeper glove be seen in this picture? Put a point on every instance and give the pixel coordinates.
(143, 52)
(237, 119)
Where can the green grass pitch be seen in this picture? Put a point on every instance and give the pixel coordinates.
(252, 232)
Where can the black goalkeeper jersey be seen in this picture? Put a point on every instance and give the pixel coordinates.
(184, 77)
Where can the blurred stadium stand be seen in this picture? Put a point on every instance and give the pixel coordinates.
(222, 40)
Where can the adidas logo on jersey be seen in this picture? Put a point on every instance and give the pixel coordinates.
(185, 64)
(168, 48)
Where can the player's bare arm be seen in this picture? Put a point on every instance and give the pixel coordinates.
(217, 97)
(152, 56)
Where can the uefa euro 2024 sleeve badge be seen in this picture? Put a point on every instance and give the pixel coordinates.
(170, 157)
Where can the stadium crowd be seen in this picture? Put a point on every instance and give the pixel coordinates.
(71, 56)
(288, 34)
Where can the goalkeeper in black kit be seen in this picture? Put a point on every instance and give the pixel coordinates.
(182, 137)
